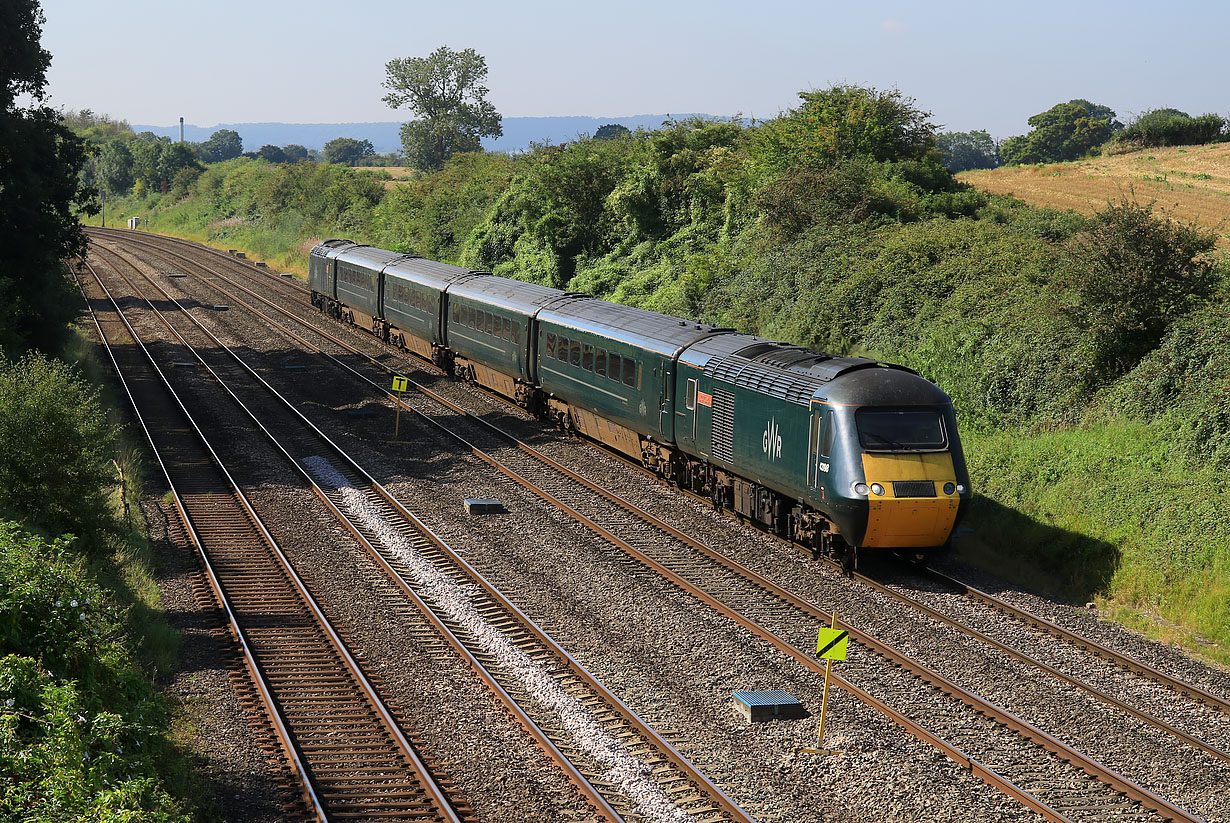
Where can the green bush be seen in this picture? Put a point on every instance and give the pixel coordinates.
(82, 732)
(55, 449)
(1133, 274)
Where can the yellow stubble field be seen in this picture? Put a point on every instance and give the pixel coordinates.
(1191, 183)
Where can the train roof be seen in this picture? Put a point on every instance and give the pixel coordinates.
(514, 295)
(800, 375)
(638, 327)
(428, 272)
(331, 248)
(369, 257)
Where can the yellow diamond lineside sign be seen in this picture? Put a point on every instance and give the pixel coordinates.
(831, 644)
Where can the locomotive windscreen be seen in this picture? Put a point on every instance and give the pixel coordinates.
(905, 430)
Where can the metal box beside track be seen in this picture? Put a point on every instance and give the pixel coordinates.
(768, 704)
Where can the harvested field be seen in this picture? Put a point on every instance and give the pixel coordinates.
(1191, 183)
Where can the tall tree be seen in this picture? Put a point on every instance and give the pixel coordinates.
(223, 144)
(294, 153)
(1065, 131)
(347, 151)
(40, 163)
(445, 90)
(965, 150)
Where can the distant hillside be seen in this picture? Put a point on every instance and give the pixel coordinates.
(519, 132)
(1191, 183)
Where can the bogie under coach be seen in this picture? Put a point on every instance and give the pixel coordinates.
(834, 453)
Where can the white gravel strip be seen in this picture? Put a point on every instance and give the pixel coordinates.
(624, 770)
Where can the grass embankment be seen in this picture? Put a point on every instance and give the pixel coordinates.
(1087, 356)
(1191, 183)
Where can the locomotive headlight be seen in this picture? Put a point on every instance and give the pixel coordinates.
(949, 488)
(877, 488)
(960, 488)
(861, 488)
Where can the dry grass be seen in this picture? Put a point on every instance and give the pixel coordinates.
(400, 174)
(1191, 184)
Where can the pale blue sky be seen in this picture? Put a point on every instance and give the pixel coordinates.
(972, 64)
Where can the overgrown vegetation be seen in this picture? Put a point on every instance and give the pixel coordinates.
(83, 733)
(1084, 355)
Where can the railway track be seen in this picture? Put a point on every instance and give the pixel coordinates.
(622, 766)
(752, 600)
(351, 757)
(295, 292)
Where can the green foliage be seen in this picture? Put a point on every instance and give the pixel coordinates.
(293, 153)
(82, 732)
(1169, 127)
(40, 191)
(224, 144)
(55, 449)
(1063, 132)
(445, 90)
(1138, 273)
(965, 150)
(271, 154)
(846, 121)
(434, 215)
(347, 151)
(611, 131)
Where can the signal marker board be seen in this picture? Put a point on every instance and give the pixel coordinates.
(831, 644)
(401, 384)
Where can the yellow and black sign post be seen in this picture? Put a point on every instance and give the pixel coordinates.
(830, 645)
(400, 384)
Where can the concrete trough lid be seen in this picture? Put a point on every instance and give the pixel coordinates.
(240, 255)
(176, 274)
(183, 364)
(761, 705)
(287, 274)
(480, 505)
(220, 307)
(260, 265)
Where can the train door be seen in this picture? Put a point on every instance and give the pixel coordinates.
(819, 445)
(690, 404)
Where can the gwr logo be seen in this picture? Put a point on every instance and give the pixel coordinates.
(771, 442)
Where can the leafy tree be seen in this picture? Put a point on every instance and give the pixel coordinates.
(1063, 132)
(113, 167)
(40, 165)
(445, 89)
(611, 131)
(294, 153)
(847, 121)
(347, 151)
(272, 154)
(965, 150)
(223, 144)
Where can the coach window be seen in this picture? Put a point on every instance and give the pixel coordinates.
(630, 370)
(691, 398)
(561, 349)
(491, 321)
(508, 332)
(516, 332)
(550, 345)
(574, 352)
(613, 368)
(600, 362)
(587, 357)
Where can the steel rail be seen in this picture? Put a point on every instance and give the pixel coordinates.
(656, 522)
(647, 731)
(1028, 731)
(955, 753)
(443, 808)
